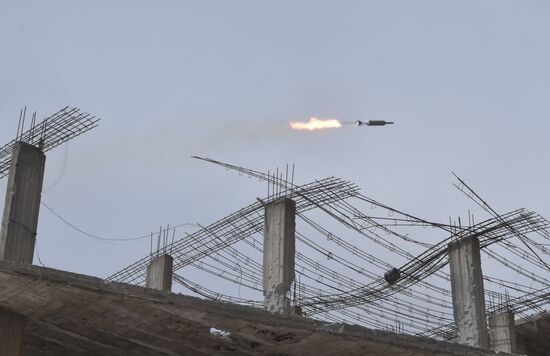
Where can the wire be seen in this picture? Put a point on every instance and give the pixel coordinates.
(106, 239)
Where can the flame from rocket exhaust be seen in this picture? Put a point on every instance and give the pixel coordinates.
(315, 124)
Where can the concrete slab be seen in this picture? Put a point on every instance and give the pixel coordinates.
(69, 314)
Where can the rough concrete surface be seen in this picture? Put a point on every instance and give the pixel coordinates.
(533, 335)
(468, 294)
(279, 254)
(22, 205)
(159, 273)
(71, 314)
(11, 333)
(502, 332)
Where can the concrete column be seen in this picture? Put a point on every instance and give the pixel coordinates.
(468, 294)
(502, 332)
(159, 273)
(279, 251)
(18, 232)
(23, 192)
(11, 333)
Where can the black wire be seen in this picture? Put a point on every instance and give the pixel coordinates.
(101, 238)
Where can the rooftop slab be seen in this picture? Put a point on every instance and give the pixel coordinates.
(70, 314)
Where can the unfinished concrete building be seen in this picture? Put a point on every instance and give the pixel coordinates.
(308, 307)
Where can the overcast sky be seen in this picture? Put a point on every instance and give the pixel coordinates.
(466, 83)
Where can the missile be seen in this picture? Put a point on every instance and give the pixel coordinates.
(373, 123)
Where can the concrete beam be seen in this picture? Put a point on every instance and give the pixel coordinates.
(159, 273)
(468, 293)
(502, 332)
(73, 314)
(23, 192)
(279, 253)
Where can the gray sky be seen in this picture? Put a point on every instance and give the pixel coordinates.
(466, 82)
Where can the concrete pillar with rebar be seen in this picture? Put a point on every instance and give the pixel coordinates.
(278, 254)
(467, 290)
(159, 273)
(502, 332)
(22, 204)
(18, 232)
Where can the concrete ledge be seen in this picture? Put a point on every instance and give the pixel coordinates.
(72, 314)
